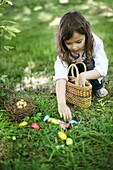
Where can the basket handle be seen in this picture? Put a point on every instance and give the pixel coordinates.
(71, 67)
(74, 65)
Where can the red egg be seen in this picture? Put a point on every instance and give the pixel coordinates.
(35, 126)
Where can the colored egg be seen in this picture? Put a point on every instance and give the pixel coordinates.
(62, 125)
(49, 120)
(53, 120)
(69, 141)
(46, 118)
(62, 135)
(13, 137)
(23, 124)
(67, 125)
(73, 121)
(35, 126)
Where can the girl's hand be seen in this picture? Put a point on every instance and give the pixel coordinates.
(64, 112)
(88, 75)
(82, 79)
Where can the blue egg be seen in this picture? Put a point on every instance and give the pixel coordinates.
(73, 121)
(46, 117)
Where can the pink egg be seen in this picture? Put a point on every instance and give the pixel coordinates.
(67, 125)
(62, 125)
(35, 126)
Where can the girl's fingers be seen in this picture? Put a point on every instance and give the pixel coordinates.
(64, 117)
(60, 114)
(69, 114)
(65, 114)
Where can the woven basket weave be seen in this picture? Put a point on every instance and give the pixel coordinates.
(75, 94)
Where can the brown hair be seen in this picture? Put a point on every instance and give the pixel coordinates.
(73, 22)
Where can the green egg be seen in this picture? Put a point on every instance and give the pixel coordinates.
(69, 141)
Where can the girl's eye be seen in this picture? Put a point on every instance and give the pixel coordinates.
(78, 42)
(68, 43)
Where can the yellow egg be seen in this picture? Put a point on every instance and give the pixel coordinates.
(55, 121)
(69, 141)
(23, 124)
(62, 135)
(49, 120)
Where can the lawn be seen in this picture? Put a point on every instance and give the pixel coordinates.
(32, 58)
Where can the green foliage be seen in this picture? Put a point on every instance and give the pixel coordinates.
(8, 28)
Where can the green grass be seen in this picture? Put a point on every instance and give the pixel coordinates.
(26, 148)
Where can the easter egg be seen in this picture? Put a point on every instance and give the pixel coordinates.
(35, 126)
(67, 126)
(55, 121)
(73, 121)
(13, 137)
(62, 135)
(23, 124)
(46, 118)
(69, 141)
(49, 120)
(61, 124)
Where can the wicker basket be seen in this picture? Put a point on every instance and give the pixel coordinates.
(75, 94)
(18, 108)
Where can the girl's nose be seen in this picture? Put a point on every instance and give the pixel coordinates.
(74, 47)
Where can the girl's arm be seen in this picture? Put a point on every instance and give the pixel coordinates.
(101, 63)
(88, 75)
(99, 56)
(63, 109)
(60, 91)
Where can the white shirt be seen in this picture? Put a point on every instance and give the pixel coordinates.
(99, 56)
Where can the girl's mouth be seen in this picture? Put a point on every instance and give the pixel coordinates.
(75, 51)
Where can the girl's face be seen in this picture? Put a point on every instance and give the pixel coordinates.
(76, 43)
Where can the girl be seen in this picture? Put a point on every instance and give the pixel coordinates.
(76, 42)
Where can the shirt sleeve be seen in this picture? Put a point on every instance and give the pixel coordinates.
(61, 70)
(101, 61)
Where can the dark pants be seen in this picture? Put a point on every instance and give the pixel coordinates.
(96, 85)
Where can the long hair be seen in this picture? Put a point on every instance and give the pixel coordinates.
(73, 22)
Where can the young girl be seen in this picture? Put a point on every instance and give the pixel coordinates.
(75, 43)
